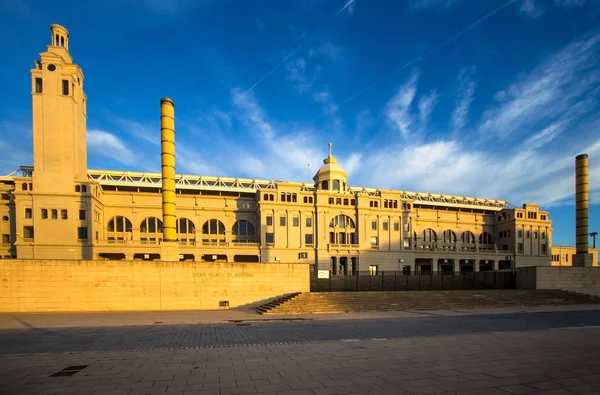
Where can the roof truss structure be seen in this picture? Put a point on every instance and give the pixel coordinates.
(185, 181)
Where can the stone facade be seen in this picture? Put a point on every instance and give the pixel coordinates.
(55, 285)
(59, 209)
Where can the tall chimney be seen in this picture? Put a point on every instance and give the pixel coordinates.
(169, 245)
(583, 257)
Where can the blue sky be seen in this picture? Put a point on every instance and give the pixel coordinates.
(484, 98)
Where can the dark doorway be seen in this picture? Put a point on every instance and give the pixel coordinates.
(466, 265)
(245, 258)
(446, 265)
(486, 265)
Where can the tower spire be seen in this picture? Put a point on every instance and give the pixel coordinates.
(330, 149)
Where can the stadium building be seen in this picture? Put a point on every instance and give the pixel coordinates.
(60, 209)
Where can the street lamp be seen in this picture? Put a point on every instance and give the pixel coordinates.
(593, 234)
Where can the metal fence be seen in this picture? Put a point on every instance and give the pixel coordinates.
(398, 281)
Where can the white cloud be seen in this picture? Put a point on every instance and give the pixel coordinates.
(398, 110)
(464, 98)
(325, 98)
(329, 50)
(531, 8)
(108, 145)
(297, 73)
(564, 83)
(426, 105)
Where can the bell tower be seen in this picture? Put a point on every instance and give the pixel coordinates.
(59, 118)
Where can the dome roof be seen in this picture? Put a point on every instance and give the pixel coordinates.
(330, 168)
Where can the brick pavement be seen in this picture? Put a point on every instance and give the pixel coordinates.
(103, 338)
(555, 361)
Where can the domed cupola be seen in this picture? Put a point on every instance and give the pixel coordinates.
(331, 176)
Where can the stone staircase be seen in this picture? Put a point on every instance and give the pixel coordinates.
(343, 302)
(265, 308)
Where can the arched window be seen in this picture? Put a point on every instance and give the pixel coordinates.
(24, 186)
(151, 230)
(77, 188)
(243, 231)
(186, 231)
(325, 185)
(213, 231)
(336, 185)
(468, 237)
(83, 189)
(449, 236)
(485, 238)
(342, 230)
(118, 229)
(271, 197)
(429, 236)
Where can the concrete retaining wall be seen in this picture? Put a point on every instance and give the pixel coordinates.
(567, 277)
(67, 285)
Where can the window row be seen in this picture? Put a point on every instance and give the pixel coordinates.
(344, 201)
(390, 203)
(289, 197)
(270, 238)
(528, 234)
(283, 221)
(81, 188)
(28, 233)
(449, 236)
(122, 224)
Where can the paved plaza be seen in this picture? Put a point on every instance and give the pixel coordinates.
(552, 350)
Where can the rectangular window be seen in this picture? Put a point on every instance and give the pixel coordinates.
(63, 214)
(543, 248)
(520, 233)
(28, 212)
(374, 243)
(372, 270)
(406, 243)
(28, 232)
(269, 220)
(5, 239)
(352, 202)
(406, 228)
(543, 235)
(396, 226)
(385, 226)
(520, 246)
(82, 214)
(309, 222)
(54, 213)
(269, 238)
(82, 233)
(38, 85)
(44, 213)
(281, 221)
(527, 235)
(374, 225)
(65, 87)
(295, 221)
(308, 239)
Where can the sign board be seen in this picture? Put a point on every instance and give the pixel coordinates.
(323, 274)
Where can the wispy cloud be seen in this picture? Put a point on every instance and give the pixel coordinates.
(426, 104)
(464, 98)
(531, 8)
(330, 50)
(349, 6)
(398, 110)
(297, 73)
(105, 144)
(564, 83)
(435, 4)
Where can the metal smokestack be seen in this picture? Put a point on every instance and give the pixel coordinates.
(581, 203)
(583, 257)
(167, 144)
